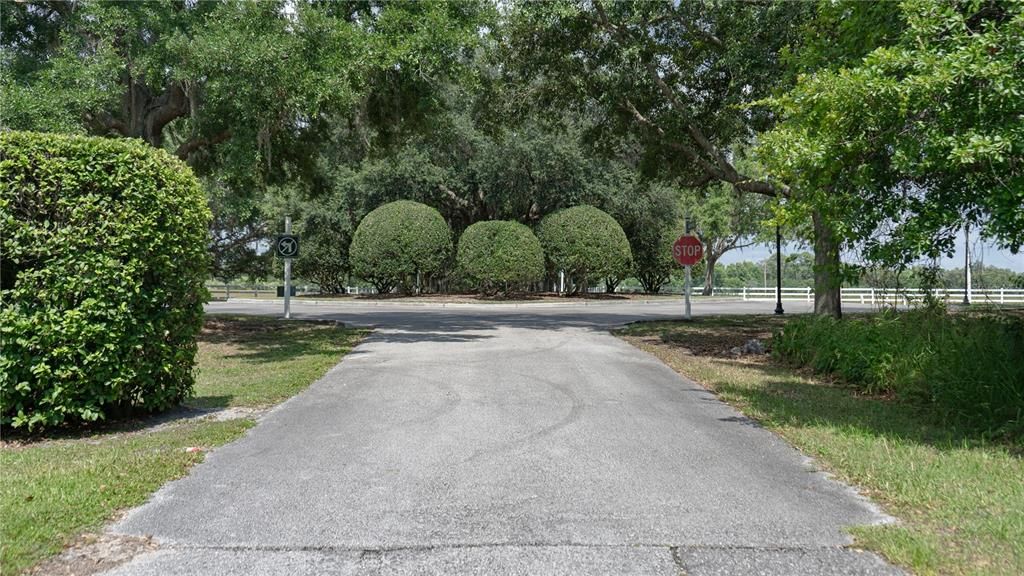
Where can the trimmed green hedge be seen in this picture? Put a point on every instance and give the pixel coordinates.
(103, 259)
(585, 242)
(968, 369)
(500, 255)
(398, 242)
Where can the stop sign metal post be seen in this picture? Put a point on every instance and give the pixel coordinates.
(687, 251)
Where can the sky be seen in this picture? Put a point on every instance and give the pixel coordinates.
(986, 252)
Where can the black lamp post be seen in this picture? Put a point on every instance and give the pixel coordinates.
(778, 270)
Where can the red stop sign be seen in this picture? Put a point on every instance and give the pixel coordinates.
(687, 250)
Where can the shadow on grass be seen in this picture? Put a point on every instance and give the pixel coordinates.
(135, 422)
(268, 340)
(253, 339)
(258, 339)
(784, 396)
(207, 404)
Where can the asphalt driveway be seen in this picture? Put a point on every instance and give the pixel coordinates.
(501, 440)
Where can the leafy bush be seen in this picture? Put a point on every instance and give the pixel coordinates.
(326, 236)
(500, 255)
(586, 243)
(398, 242)
(103, 263)
(652, 256)
(968, 368)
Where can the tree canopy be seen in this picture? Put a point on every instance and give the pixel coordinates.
(877, 127)
(173, 74)
(920, 137)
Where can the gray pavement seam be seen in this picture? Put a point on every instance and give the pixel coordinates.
(377, 551)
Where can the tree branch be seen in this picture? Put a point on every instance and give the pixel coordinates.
(708, 36)
(718, 167)
(104, 122)
(763, 187)
(688, 152)
(640, 118)
(724, 170)
(189, 146)
(459, 202)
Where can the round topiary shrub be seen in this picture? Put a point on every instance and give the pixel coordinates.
(103, 261)
(586, 243)
(400, 244)
(500, 255)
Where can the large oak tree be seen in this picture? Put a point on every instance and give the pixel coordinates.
(686, 78)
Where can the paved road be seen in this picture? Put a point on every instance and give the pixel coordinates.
(495, 440)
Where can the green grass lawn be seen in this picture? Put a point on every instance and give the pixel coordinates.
(257, 362)
(54, 489)
(960, 499)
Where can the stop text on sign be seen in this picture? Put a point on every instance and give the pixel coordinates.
(687, 250)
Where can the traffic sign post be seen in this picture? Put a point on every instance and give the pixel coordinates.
(286, 246)
(689, 286)
(687, 251)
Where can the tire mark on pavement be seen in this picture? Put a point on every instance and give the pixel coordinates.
(575, 411)
(452, 399)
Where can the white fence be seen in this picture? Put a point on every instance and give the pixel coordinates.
(805, 294)
(877, 296)
(883, 295)
(224, 291)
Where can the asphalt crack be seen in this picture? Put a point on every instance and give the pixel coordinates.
(678, 560)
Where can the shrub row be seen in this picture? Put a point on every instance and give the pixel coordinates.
(402, 244)
(103, 261)
(969, 369)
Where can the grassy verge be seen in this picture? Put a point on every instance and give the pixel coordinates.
(965, 368)
(258, 362)
(55, 489)
(960, 497)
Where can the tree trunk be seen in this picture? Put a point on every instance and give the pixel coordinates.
(576, 284)
(709, 276)
(144, 114)
(827, 281)
(652, 282)
(147, 113)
